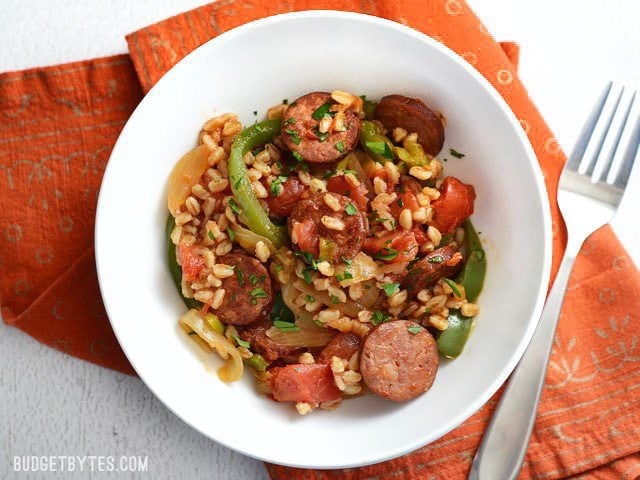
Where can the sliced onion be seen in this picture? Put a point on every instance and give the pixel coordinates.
(233, 368)
(349, 308)
(362, 268)
(185, 175)
(370, 296)
(248, 239)
(303, 338)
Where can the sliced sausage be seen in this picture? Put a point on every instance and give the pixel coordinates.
(256, 335)
(290, 191)
(431, 268)
(414, 116)
(315, 218)
(343, 345)
(248, 291)
(300, 130)
(399, 360)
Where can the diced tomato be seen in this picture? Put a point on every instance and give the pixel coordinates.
(393, 247)
(303, 383)
(339, 184)
(405, 200)
(308, 240)
(454, 205)
(192, 263)
(421, 235)
(343, 345)
(384, 175)
(291, 191)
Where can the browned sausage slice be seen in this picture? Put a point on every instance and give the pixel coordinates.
(301, 134)
(343, 345)
(414, 116)
(314, 219)
(256, 335)
(248, 291)
(431, 268)
(399, 360)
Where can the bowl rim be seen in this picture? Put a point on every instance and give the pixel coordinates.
(542, 199)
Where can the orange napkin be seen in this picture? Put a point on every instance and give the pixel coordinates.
(59, 124)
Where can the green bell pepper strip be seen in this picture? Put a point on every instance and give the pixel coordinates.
(471, 277)
(370, 135)
(451, 341)
(257, 362)
(174, 268)
(252, 212)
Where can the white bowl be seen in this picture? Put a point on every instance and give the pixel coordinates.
(251, 68)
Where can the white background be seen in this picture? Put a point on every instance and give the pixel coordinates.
(52, 404)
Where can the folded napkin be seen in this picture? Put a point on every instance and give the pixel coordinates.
(59, 125)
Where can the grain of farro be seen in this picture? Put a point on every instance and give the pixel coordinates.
(332, 202)
(261, 166)
(224, 248)
(188, 239)
(356, 291)
(326, 269)
(217, 299)
(262, 251)
(231, 128)
(470, 309)
(365, 316)
(176, 233)
(420, 173)
(438, 321)
(434, 235)
(204, 296)
(318, 186)
(221, 270)
(379, 185)
(424, 295)
(248, 158)
(328, 315)
(352, 180)
(411, 137)
(325, 124)
(332, 223)
(405, 219)
(259, 190)
(306, 359)
(183, 218)
(276, 111)
(399, 134)
(337, 364)
(303, 408)
(209, 142)
(321, 284)
(394, 173)
(337, 293)
(216, 156)
(199, 191)
(305, 177)
(209, 206)
(216, 186)
(209, 258)
(398, 298)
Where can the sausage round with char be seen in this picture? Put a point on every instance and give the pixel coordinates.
(413, 115)
(248, 291)
(432, 267)
(399, 360)
(313, 219)
(256, 335)
(300, 131)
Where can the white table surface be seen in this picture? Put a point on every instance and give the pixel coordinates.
(53, 404)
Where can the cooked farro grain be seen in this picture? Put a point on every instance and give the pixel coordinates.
(421, 173)
(405, 219)
(303, 408)
(262, 251)
(248, 158)
(306, 359)
(399, 134)
(224, 248)
(434, 235)
(356, 291)
(337, 293)
(379, 185)
(183, 218)
(328, 315)
(221, 270)
(216, 186)
(200, 192)
(216, 156)
(176, 233)
(325, 268)
(332, 223)
(352, 180)
(218, 296)
(438, 321)
(332, 202)
(204, 296)
(318, 186)
(398, 298)
(470, 310)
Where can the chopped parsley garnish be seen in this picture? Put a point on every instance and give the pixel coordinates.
(286, 326)
(306, 273)
(285, 101)
(389, 254)
(322, 136)
(310, 298)
(391, 288)
(350, 209)
(379, 317)
(240, 276)
(210, 234)
(295, 138)
(234, 206)
(413, 329)
(399, 202)
(321, 111)
(231, 233)
(456, 154)
(381, 148)
(334, 299)
(298, 157)
(329, 174)
(253, 279)
(257, 293)
(307, 258)
(435, 259)
(347, 261)
(242, 343)
(340, 146)
(344, 276)
(290, 121)
(454, 287)
(276, 184)
(278, 268)
(255, 113)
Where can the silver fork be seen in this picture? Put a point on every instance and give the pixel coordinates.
(591, 187)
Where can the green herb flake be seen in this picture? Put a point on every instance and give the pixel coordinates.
(454, 287)
(278, 268)
(322, 136)
(435, 259)
(381, 148)
(389, 254)
(234, 206)
(276, 184)
(399, 202)
(413, 329)
(286, 326)
(335, 300)
(253, 279)
(240, 277)
(298, 157)
(231, 233)
(258, 293)
(306, 274)
(391, 288)
(347, 262)
(295, 138)
(350, 209)
(289, 121)
(321, 111)
(241, 343)
(344, 276)
(379, 317)
(210, 234)
(255, 113)
(340, 146)
(285, 101)
(455, 153)
(310, 299)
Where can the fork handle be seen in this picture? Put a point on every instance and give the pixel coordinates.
(505, 441)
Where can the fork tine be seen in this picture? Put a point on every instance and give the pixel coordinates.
(627, 146)
(611, 142)
(583, 139)
(590, 156)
